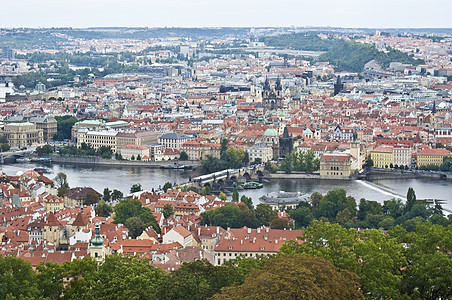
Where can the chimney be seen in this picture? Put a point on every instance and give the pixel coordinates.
(199, 231)
(259, 230)
(254, 240)
(241, 242)
(218, 230)
(276, 241)
(267, 229)
(249, 230)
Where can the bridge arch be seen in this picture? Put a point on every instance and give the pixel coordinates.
(247, 176)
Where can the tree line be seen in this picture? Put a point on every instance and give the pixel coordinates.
(332, 263)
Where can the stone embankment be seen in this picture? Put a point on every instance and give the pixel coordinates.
(90, 160)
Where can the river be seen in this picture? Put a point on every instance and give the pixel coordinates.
(123, 177)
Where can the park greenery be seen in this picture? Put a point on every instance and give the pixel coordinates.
(230, 158)
(332, 263)
(346, 55)
(64, 127)
(86, 150)
(238, 214)
(134, 216)
(4, 146)
(301, 161)
(337, 207)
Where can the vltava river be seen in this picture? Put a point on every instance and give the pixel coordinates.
(122, 178)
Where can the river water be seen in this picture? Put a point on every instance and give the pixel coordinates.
(123, 177)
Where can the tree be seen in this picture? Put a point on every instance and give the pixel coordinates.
(198, 280)
(427, 276)
(60, 181)
(279, 223)
(302, 216)
(135, 226)
(248, 201)
(17, 278)
(193, 189)
(103, 209)
(139, 157)
(205, 191)
(4, 146)
(64, 127)
(235, 195)
(222, 196)
(115, 195)
(410, 199)
(265, 214)
(168, 210)
(183, 155)
(132, 157)
(107, 195)
(91, 198)
(129, 208)
(234, 157)
(296, 277)
(136, 188)
(46, 149)
(168, 185)
(358, 252)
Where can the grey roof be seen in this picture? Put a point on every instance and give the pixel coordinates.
(175, 136)
(282, 198)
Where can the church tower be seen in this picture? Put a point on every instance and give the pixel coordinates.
(96, 248)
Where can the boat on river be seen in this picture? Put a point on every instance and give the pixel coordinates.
(248, 185)
(176, 166)
(41, 160)
(42, 170)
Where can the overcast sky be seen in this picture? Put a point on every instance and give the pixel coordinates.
(211, 13)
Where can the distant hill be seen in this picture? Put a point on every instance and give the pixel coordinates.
(346, 55)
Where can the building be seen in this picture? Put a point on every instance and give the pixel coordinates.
(174, 140)
(260, 151)
(97, 139)
(76, 196)
(271, 139)
(401, 155)
(23, 134)
(135, 151)
(382, 156)
(283, 200)
(249, 242)
(335, 166)
(286, 143)
(53, 203)
(272, 98)
(432, 157)
(48, 125)
(96, 248)
(343, 133)
(199, 150)
(138, 137)
(179, 234)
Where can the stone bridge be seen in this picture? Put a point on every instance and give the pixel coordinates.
(225, 179)
(14, 154)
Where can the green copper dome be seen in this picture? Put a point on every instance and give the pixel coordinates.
(270, 132)
(97, 241)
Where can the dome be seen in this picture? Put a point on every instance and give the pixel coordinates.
(270, 132)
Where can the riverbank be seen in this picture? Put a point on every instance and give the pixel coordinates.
(375, 174)
(294, 175)
(98, 161)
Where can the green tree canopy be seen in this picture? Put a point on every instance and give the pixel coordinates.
(296, 277)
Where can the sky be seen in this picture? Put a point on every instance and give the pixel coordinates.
(228, 13)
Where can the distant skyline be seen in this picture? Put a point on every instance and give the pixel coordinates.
(226, 13)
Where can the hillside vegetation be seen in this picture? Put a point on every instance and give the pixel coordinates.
(346, 55)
